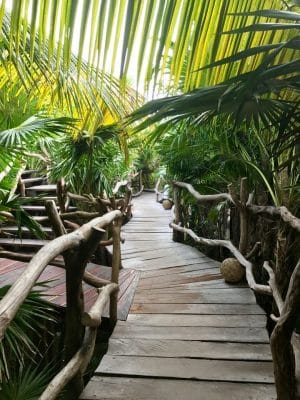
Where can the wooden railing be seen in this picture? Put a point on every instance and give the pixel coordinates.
(100, 204)
(81, 327)
(289, 308)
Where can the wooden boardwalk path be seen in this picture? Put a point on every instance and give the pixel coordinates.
(188, 336)
(55, 291)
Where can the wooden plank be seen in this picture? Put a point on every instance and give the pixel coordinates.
(42, 188)
(214, 309)
(187, 368)
(192, 349)
(15, 229)
(184, 269)
(120, 388)
(161, 253)
(55, 290)
(208, 280)
(161, 264)
(42, 208)
(205, 296)
(29, 172)
(171, 280)
(212, 281)
(23, 242)
(240, 335)
(29, 181)
(124, 303)
(254, 321)
(147, 229)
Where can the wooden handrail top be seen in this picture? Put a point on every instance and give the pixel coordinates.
(270, 211)
(79, 362)
(10, 304)
(92, 318)
(226, 243)
(204, 197)
(139, 192)
(119, 185)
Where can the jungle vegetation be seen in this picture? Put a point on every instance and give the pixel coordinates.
(76, 77)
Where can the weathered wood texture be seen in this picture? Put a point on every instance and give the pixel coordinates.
(112, 388)
(189, 335)
(55, 292)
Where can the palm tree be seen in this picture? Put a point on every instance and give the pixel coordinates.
(264, 99)
(157, 39)
(74, 89)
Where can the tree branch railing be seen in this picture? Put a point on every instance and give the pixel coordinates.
(76, 248)
(281, 347)
(78, 363)
(102, 205)
(158, 193)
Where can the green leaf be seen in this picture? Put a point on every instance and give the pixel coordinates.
(279, 14)
(263, 27)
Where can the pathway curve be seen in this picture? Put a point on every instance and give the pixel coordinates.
(188, 335)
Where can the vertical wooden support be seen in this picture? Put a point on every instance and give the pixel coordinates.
(244, 194)
(127, 203)
(157, 189)
(177, 236)
(128, 196)
(282, 349)
(22, 188)
(75, 262)
(54, 218)
(113, 203)
(141, 179)
(61, 194)
(116, 263)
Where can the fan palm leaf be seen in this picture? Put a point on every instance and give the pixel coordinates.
(18, 342)
(128, 35)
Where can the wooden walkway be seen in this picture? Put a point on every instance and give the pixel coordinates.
(188, 336)
(55, 292)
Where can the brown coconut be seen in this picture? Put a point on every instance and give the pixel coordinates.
(167, 204)
(232, 271)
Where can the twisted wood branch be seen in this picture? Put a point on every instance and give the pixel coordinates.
(226, 243)
(204, 197)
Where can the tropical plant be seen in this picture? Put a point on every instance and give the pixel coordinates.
(89, 163)
(15, 149)
(261, 102)
(23, 338)
(156, 32)
(42, 75)
(26, 384)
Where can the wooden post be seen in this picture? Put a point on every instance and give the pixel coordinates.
(54, 218)
(177, 235)
(244, 194)
(61, 194)
(157, 192)
(127, 203)
(22, 188)
(282, 349)
(75, 262)
(116, 263)
(113, 202)
(141, 179)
